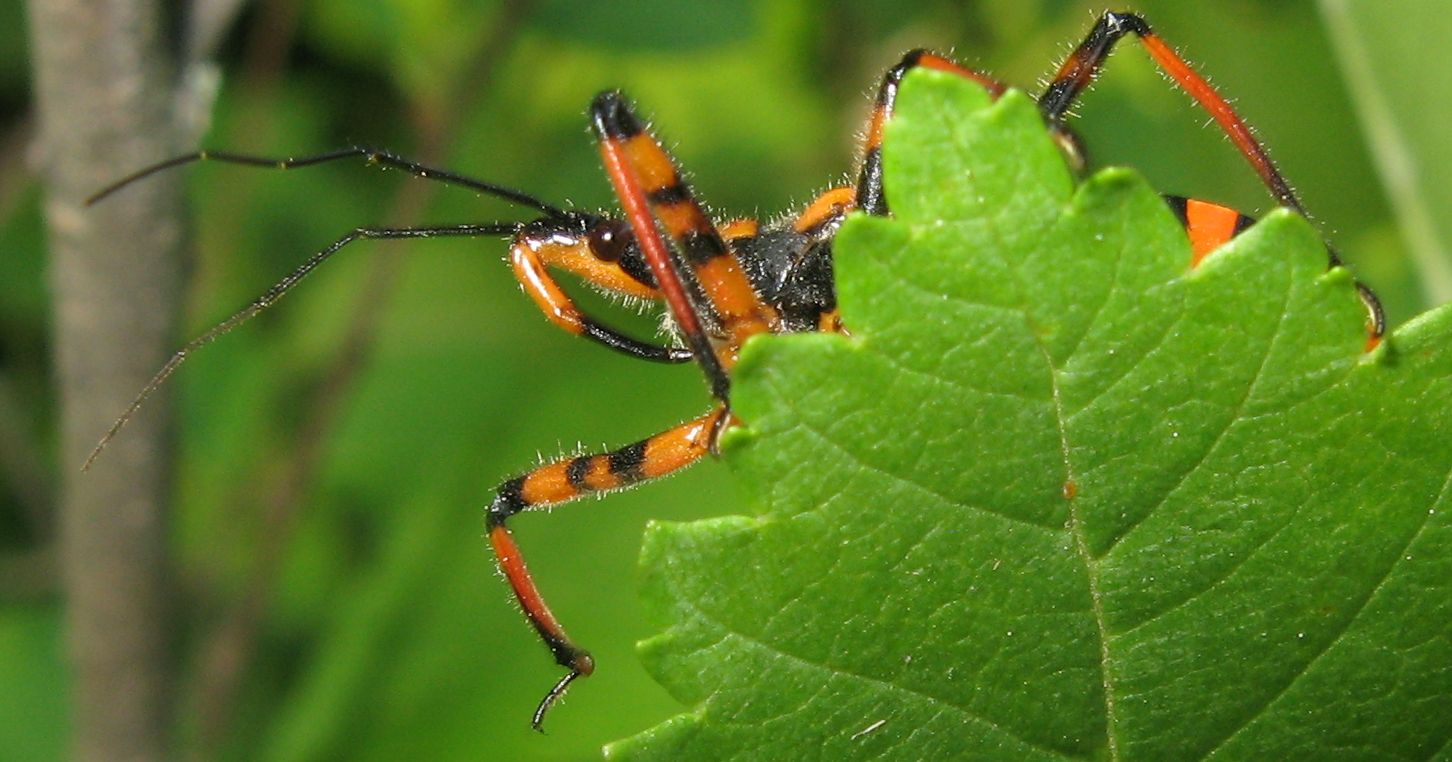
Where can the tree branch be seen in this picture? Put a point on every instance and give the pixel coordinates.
(104, 88)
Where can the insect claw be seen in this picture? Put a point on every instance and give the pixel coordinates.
(554, 694)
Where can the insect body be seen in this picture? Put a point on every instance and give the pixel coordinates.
(722, 282)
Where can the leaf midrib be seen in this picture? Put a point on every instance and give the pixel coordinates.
(1075, 524)
(1075, 528)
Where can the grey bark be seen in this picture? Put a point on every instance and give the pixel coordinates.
(104, 92)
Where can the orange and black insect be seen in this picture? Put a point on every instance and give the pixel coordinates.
(721, 282)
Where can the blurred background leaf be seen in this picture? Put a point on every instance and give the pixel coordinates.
(382, 629)
(1402, 107)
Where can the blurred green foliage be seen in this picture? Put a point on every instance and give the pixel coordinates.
(1402, 105)
(386, 633)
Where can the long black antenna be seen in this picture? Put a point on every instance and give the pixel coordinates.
(373, 156)
(277, 291)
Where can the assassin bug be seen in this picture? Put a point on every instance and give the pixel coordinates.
(722, 283)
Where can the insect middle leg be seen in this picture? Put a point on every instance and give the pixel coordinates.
(870, 197)
(567, 479)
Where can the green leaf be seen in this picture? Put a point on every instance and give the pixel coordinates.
(1062, 495)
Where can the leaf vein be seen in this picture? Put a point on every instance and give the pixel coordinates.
(1350, 620)
(958, 385)
(1221, 579)
(832, 670)
(1169, 328)
(1103, 303)
(902, 479)
(1231, 420)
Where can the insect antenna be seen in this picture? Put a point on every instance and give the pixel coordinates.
(373, 156)
(276, 292)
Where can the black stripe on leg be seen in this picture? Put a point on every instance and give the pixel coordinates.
(628, 462)
(1177, 205)
(893, 78)
(870, 197)
(668, 195)
(576, 472)
(1243, 223)
(508, 500)
(702, 247)
(612, 117)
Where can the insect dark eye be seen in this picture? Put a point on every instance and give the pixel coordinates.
(609, 239)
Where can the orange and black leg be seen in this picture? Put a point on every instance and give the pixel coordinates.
(589, 248)
(1209, 226)
(870, 198)
(565, 480)
(709, 293)
(1084, 64)
(712, 302)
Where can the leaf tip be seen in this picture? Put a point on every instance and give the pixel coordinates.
(674, 733)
